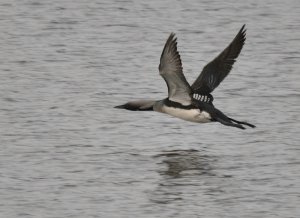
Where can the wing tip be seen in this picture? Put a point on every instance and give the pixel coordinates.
(170, 45)
(172, 37)
(242, 32)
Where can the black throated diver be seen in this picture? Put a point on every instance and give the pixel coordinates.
(193, 103)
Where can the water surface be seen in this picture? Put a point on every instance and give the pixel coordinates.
(66, 152)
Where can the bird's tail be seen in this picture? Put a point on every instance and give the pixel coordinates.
(222, 118)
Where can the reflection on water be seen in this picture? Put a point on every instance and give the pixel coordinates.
(182, 169)
(186, 162)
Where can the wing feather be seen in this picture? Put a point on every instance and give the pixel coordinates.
(170, 68)
(215, 71)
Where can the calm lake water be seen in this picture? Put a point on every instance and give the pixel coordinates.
(66, 152)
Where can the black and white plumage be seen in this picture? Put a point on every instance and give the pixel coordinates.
(193, 103)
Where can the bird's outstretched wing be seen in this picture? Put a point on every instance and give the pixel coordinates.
(215, 71)
(170, 68)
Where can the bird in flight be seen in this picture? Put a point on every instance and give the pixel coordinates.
(193, 103)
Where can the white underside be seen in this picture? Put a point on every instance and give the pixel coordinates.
(193, 115)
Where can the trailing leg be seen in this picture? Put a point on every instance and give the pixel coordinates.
(240, 122)
(229, 123)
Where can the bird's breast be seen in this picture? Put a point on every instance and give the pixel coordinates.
(193, 115)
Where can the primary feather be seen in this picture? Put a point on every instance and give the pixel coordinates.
(215, 71)
(170, 68)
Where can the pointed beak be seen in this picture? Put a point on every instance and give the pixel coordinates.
(120, 106)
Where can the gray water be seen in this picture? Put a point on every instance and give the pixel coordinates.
(66, 152)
